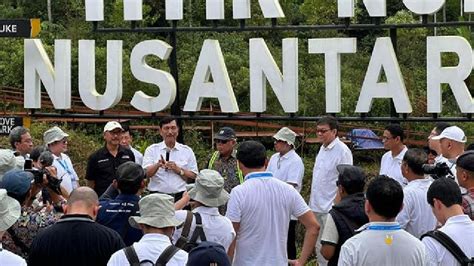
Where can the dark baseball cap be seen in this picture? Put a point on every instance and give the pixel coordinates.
(206, 253)
(466, 161)
(130, 172)
(225, 133)
(17, 182)
(351, 177)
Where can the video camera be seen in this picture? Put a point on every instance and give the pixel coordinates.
(46, 159)
(438, 170)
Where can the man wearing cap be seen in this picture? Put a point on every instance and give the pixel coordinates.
(76, 239)
(347, 214)
(465, 177)
(392, 139)
(114, 213)
(287, 166)
(169, 164)
(102, 164)
(434, 144)
(8, 161)
(21, 141)
(416, 216)
(452, 141)
(56, 141)
(206, 196)
(9, 213)
(157, 221)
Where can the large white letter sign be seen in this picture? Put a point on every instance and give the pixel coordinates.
(332, 50)
(38, 68)
(214, 9)
(375, 8)
(143, 72)
(454, 76)
(263, 67)
(87, 89)
(270, 9)
(383, 58)
(132, 10)
(174, 9)
(211, 64)
(424, 7)
(94, 10)
(469, 6)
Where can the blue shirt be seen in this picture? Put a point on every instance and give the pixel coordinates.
(114, 214)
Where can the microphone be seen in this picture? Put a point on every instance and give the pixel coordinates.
(167, 155)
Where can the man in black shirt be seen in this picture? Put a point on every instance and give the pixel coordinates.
(102, 164)
(76, 239)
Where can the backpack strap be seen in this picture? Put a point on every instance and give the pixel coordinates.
(166, 255)
(183, 239)
(450, 245)
(198, 231)
(131, 255)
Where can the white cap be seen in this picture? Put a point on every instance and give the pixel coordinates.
(111, 125)
(287, 135)
(452, 133)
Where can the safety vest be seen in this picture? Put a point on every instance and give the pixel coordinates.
(214, 157)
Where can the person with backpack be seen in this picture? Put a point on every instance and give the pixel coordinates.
(453, 242)
(157, 222)
(207, 195)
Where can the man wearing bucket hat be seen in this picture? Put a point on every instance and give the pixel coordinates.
(287, 166)
(8, 162)
(207, 195)
(9, 213)
(157, 221)
(56, 141)
(103, 163)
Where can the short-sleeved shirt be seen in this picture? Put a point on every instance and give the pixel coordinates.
(288, 168)
(102, 166)
(460, 229)
(66, 172)
(325, 174)
(263, 206)
(9, 258)
(416, 216)
(468, 203)
(114, 214)
(391, 166)
(138, 156)
(167, 181)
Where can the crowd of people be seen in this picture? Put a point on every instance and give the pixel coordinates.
(243, 208)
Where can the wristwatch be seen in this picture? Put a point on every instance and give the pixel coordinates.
(181, 172)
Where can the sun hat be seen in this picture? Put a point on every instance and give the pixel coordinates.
(54, 134)
(8, 161)
(287, 135)
(209, 189)
(156, 210)
(225, 133)
(9, 210)
(111, 125)
(452, 133)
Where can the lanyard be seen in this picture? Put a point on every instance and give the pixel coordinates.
(64, 165)
(384, 227)
(259, 175)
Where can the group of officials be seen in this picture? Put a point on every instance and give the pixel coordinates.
(244, 208)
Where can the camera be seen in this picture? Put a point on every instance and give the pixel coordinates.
(438, 170)
(46, 159)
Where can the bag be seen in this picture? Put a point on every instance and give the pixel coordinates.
(183, 242)
(451, 246)
(167, 254)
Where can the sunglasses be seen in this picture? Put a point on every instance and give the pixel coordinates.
(221, 141)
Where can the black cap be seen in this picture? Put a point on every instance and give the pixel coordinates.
(207, 253)
(466, 161)
(130, 172)
(351, 177)
(225, 133)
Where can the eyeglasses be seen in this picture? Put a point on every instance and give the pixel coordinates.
(384, 138)
(322, 131)
(221, 141)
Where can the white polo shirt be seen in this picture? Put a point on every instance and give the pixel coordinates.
(391, 166)
(382, 243)
(288, 168)
(66, 172)
(167, 181)
(150, 248)
(416, 217)
(323, 187)
(263, 205)
(461, 230)
(10, 258)
(217, 228)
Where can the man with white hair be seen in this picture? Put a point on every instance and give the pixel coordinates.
(9, 214)
(287, 166)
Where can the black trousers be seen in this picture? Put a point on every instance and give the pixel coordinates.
(291, 243)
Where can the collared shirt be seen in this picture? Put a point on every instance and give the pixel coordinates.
(228, 169)
(9, 258)
(138, 156)
(102, 166)
(323, 187)
(391, 166)
(263, 206)
(167, 181)
(150, 248)
(217, 228)
(114, 214)
(416, 217)
(460, 229)
(288, 168)
(468, 203)
(66, 172)
(382, 243)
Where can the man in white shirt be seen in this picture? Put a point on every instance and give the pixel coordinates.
(392, 160)
(323, 188)
(382, 241)
(260, 211)
(287, 166)
(56, 141)
(21, 141)
(206, 196)
(434, 144)
(416, 216)
(444, 197)
(9, 214)
(157, 222)
(452, 141)
(169, 164)
(126, 140)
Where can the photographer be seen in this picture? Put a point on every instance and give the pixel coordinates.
(452, 141)
(20, 187)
